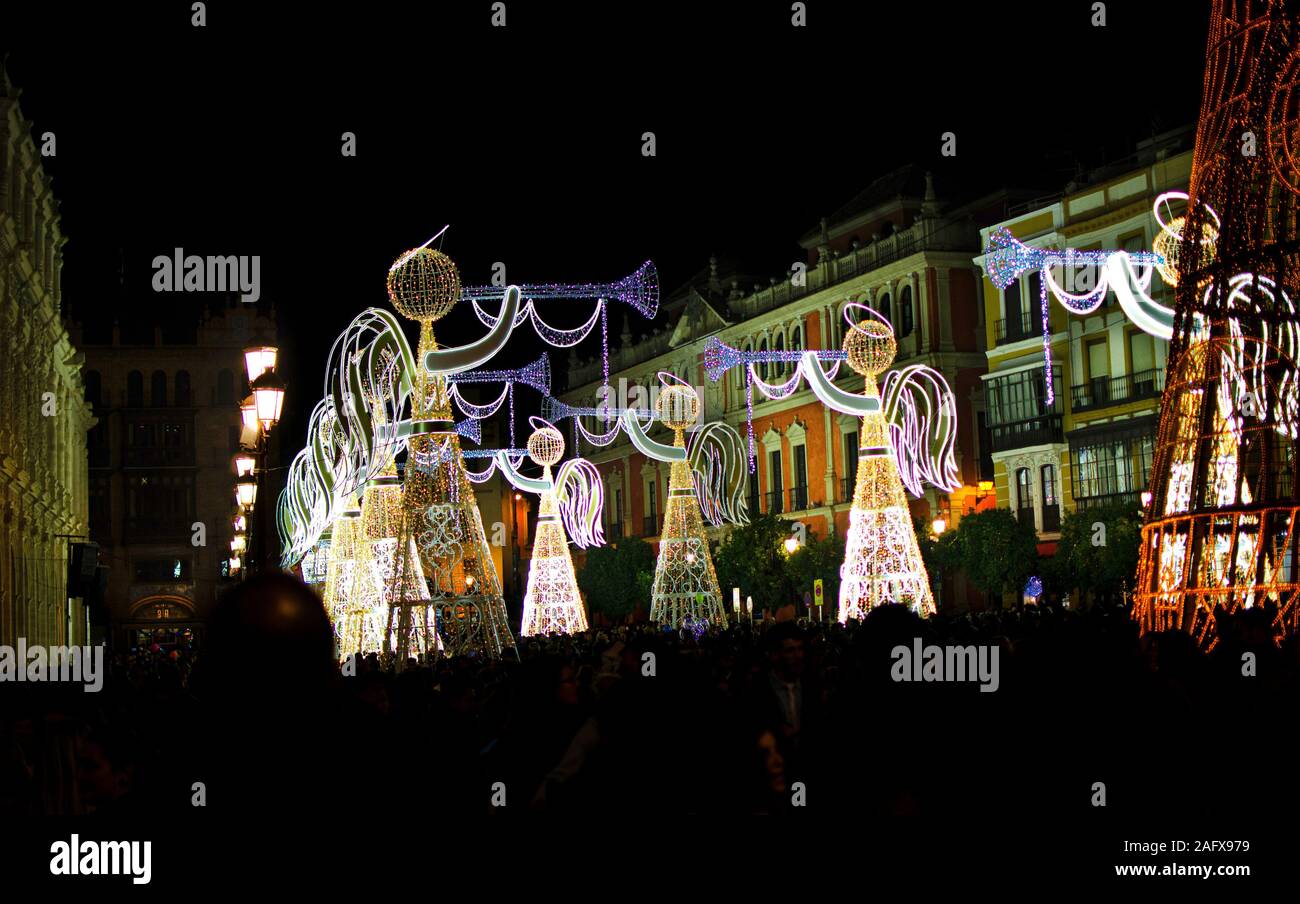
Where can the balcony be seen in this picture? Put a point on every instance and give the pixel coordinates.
(798, 499)
(1014, 329)
(1083, 503)
(146, 529)
(614, 531)
(772, 502)
(650, 525)
(159, 457)
(1037, 431)
(1103, 391)
(846, 489)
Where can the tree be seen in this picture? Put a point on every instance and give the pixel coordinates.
(752, 557)
(997, 551)
(1098, 552)
(616, 578)
(818, 558)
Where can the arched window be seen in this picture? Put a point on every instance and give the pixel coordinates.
(225, 388)
(796, 339)
(94, 387)
(778, 345)
(182, 389)
(135, 389)
(762, 366)
(158, 389)
(905, 311)
(882, 308)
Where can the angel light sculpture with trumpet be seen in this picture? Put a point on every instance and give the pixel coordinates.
(570, 504)
(907, 438)
(706, 481)
(354, 435)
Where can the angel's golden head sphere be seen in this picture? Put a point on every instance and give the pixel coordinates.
(424, 284)
(546, 445)
(870, 346)
(678, 406)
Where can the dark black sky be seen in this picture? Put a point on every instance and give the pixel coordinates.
(225, 139)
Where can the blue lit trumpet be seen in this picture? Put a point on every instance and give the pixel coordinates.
(719, 357)
(554, 410)
(639, 289)
(1007, 257)
(537, 375)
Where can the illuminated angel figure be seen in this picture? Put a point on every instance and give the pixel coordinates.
(573, 499)
(706, 480)
(908, 435)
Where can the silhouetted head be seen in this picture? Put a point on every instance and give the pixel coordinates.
(270, 635)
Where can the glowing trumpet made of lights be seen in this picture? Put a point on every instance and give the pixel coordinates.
(720, 357)
(537, 375)
(639, 290)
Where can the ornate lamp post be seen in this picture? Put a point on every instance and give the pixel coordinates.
(263, 414)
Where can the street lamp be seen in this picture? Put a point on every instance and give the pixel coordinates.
(258, 359)
(939, 526)
(244, 463)
(248, 411)
(791, 545)
(268, 399)
(246, 494)
(238, 544)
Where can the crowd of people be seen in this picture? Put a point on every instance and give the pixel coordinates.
(763, 718)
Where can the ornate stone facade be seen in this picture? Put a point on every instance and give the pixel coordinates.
(43, 417)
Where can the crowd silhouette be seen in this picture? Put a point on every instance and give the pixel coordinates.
(779, 719)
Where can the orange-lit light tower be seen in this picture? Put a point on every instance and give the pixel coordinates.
(1220, 532)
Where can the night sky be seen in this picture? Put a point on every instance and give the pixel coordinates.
(226, 139)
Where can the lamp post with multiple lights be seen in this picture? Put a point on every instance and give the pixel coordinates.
(261, 413)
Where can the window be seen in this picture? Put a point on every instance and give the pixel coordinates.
(1014, 321)
(799, 477)
(162, 570)
(1049, 485)
(94, 387)
(1020, 396)
(882, 308)
(652, 498)
(775, 484)
(905, 312)
(1024, 493)
(796, 339)
(851, 458)
(161, 502)
(225, 388)
(1112, 464)
(158, 389)
(778, 345)
(135, 389)
(182, 388)
(762, 366)
(1142, 353)
(1099, 371)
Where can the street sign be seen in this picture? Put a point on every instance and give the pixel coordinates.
(817, 591)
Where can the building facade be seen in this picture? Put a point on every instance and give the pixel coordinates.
(43, 420)
(162, 477)
(1094, 444)
(894, 247)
